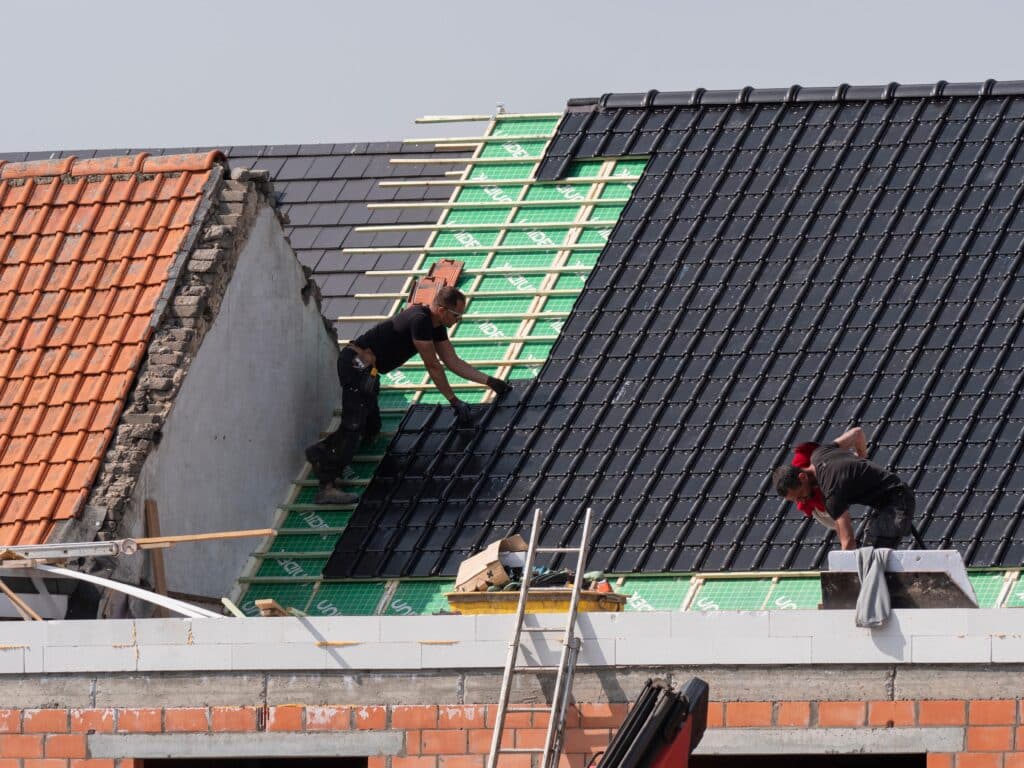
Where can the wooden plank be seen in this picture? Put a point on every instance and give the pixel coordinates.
(270, 607)
(156, 556)
(152, 542)
(20, 605)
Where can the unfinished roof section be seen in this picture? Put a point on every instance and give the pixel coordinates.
(792, 261)
(325, 191)
(87, 248)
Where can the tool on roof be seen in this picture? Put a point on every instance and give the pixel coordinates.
(566, 668)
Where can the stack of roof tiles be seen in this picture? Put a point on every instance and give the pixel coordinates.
(791, 263)
(86, 254)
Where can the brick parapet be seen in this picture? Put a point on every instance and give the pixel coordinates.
(441, 736)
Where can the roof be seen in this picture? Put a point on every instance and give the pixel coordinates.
(86, 250)
(324, 190)
(791, 262)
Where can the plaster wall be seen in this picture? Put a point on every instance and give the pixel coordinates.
(261, 387)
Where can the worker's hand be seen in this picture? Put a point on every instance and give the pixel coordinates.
(463, 413)
(500, 387)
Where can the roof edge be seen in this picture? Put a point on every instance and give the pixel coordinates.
(140, 163)
(796, 93)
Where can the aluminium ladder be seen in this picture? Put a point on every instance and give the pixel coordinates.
(566, 668)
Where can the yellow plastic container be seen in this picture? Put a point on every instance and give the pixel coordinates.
(539, 601)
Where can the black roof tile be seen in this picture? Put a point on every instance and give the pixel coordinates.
(793, 261)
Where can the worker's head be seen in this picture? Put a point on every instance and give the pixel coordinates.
(793, 483)
(449, 305)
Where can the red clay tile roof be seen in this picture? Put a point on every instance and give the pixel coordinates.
(85, 248)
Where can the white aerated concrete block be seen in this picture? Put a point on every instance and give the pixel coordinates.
(810, 623)
(995, 621)
(376, 656)
(363, 629)
(931, 621)
(60, 658)
(1008, 648)
(234, 631)
(495, 627)
(632, 624)
(415, 628)
(863, 646)
(712, 650)
(12, 660)
(181, 657)
(163, 631)
(724, 624)
(952, 649)
(469, 655)
(110, 632)
(280, 656)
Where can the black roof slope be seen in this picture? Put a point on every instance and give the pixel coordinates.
(790, 264)
(324, 189)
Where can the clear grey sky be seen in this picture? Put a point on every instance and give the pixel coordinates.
(114, 73)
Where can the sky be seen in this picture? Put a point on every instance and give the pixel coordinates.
(113, 73)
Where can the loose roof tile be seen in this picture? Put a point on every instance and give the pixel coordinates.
(85, 250)
(791, 262)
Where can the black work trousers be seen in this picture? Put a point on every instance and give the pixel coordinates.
(890, 523)
(360, 420)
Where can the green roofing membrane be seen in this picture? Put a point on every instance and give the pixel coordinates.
(419, 598)
(987, 586)
(495, 328)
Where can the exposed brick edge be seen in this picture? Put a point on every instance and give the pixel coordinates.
(189, 305)
(445, 736)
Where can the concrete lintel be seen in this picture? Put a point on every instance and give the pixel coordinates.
(829, 741)
(218, 745)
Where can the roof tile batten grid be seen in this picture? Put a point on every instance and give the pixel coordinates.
(517, 300)
(85, 248)
(790, 263)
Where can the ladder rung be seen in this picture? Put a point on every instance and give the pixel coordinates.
(558, 549)
(522, 750)
(542, 629)
(537, 669)
(529, 709)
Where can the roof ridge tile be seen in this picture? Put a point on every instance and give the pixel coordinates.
(842, 92)
(143, 162)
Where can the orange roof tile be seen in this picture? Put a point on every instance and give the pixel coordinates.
(85, 250)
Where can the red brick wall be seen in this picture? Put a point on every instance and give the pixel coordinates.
(460, 736)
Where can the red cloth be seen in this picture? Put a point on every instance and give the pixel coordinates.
(802, 458)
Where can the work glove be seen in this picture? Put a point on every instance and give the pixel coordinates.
(500, 387)
(463, 413)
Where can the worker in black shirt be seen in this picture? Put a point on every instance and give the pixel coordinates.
(841, 471)
(381, 349)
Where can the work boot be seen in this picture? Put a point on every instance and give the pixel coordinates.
(331, 494)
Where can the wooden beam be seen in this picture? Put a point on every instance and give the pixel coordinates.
(156, 556)
(233, 609)
(270, 607)
(164, 541)
(504, 182)
(19, 605)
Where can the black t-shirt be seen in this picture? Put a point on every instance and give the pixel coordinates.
(847, 479)
(392, 340)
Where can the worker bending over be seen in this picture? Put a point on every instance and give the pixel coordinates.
(837, 474)
(381, 349)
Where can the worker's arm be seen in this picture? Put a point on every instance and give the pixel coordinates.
(844, 525)
(434, 368)
(456, 364)
(854, 440)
